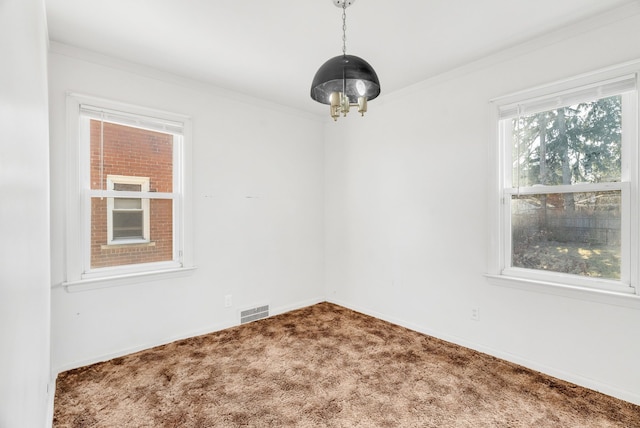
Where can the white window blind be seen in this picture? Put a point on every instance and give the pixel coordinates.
(586, 93)
(137, 121)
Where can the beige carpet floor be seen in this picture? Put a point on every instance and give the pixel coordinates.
(324, 366)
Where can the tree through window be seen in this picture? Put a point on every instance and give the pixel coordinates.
(566, 231)
(566, 179)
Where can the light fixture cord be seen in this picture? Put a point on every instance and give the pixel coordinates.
(344, 27)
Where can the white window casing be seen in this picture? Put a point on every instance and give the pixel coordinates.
(621, 80)
(78, 273)
(144, 209)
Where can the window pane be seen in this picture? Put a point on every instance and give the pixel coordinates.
(575, 144)
(118, 150)
(574, 233)
(127, 225)
(126, 187)
(127, 203)
(158, 249)
(134, 152)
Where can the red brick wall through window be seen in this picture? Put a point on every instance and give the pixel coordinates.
(127, 151)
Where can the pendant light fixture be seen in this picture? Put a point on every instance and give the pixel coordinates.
(345, 80)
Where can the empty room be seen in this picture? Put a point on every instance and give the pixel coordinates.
(327, 213)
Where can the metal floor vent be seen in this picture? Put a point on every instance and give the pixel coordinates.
(254, 314)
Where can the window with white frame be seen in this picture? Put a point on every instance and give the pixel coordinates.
(128, 191)
(567, 177)
(128, 219)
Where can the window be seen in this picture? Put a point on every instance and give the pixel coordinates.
(127, 218)
(567, 179)
(129, 191)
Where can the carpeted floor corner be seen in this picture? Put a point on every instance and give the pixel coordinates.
(324, 366)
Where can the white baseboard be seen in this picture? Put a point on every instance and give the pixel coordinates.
(298, 305)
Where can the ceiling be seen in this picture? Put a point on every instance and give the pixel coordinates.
(272, 49)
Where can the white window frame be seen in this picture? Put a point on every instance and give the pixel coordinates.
(112, 180)
(542, 98)
(78, 273)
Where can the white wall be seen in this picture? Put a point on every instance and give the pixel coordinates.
(24, 215)
(406, 217)
(258, 214)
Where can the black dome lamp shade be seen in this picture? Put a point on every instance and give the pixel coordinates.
(348, 72)
(345, 80)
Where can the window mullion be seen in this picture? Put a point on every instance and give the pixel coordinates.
(567, 188)
(95, 193)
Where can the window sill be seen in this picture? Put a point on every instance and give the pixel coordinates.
(128, 244)
(627, 300)
(125, 279)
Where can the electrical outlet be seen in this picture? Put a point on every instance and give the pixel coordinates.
(227, 301)
(475, 314)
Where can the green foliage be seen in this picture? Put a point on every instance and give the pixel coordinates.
(573, 144)
(579, 143)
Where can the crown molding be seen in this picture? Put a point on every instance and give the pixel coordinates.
(625, 11)
(93, 57)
